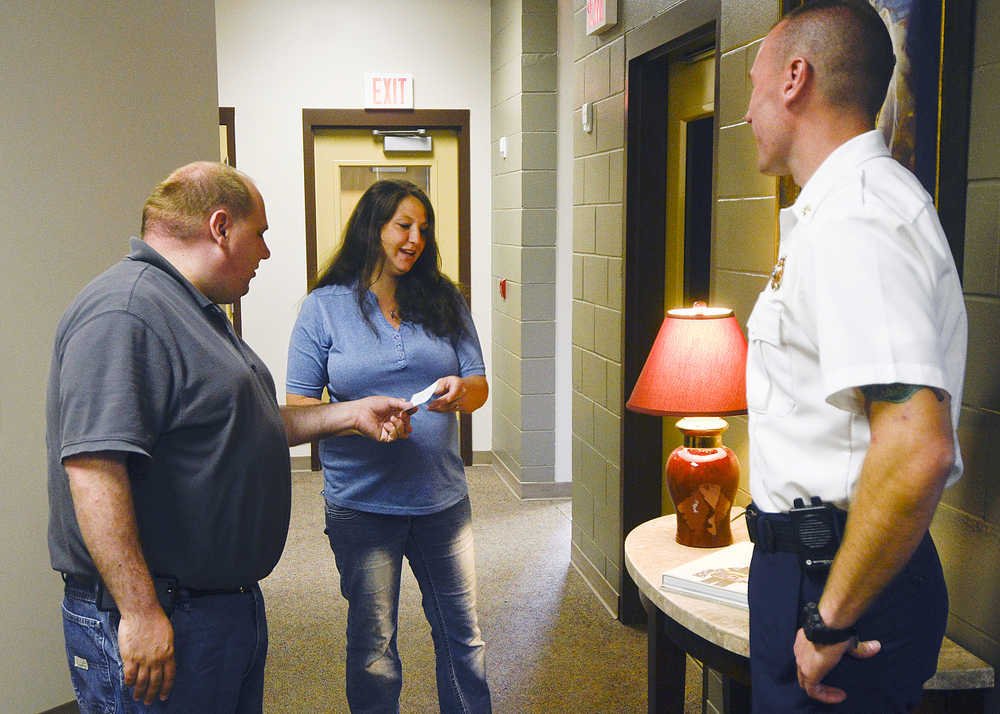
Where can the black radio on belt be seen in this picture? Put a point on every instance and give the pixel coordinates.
(817, 528)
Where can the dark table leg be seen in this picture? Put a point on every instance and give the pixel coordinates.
(667, 667)
(735, 697)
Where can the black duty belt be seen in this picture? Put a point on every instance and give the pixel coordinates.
(811, 531)
(771, 532)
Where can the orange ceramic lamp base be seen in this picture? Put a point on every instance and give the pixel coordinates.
(702, 477)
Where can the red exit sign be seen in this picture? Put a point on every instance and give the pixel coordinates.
(601, 14)
(388, 91)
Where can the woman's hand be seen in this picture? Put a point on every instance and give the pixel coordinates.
(459, 394)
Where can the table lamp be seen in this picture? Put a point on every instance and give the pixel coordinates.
(697, 370)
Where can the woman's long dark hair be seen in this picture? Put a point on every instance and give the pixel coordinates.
(425, 295)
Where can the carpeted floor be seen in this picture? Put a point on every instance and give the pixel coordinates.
(551, 646)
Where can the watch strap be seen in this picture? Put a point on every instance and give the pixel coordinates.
(817, 631)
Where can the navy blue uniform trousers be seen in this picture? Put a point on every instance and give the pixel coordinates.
(908, 618)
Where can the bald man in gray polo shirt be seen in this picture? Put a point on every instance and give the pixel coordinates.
(169, 476)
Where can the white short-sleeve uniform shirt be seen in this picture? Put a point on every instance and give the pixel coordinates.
(865, 292)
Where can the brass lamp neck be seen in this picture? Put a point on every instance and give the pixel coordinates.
(702, 441)
(702, 432)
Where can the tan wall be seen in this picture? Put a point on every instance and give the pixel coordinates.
(97, 108)
(276, 58)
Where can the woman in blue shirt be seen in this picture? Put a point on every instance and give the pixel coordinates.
(383, 319)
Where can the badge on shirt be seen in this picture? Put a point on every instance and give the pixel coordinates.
(778, 273)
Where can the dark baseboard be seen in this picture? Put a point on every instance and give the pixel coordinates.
(67, 708)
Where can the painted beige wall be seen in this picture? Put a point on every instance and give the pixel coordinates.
(276, 58)
(97, 108)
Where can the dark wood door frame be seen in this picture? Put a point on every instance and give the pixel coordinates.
(227, 118)
(456, 120)
(648, 52)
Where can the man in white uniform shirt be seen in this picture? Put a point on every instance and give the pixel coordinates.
(857, 357)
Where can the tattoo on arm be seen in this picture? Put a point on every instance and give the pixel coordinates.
(897, 392)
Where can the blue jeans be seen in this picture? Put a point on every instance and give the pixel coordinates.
(220, 644)
(369, 549)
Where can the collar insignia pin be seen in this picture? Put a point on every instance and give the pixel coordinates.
(778, 273)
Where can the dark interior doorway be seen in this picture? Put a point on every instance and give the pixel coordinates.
(698, 209)
(692, 27)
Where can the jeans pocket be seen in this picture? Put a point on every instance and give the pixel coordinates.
(339, 513)
(92, 661)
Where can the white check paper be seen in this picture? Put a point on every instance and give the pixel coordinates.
(424, 395)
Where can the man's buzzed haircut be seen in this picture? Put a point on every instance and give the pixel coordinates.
(180, 204)
(849, 48)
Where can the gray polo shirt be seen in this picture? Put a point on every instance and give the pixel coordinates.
(146, 365)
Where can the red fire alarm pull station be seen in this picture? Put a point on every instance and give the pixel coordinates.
(503, 288)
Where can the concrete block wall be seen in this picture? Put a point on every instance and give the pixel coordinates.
(524, 86)
(745, 235)
(744, 249)
(966, 527)
(598, 294)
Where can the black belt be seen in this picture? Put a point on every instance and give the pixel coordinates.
(771, 532)
(193, 592)
(813, 532)
(91, 584)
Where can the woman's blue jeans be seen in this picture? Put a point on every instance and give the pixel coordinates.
(369, 549)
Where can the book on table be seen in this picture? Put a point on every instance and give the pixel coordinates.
(721, 575)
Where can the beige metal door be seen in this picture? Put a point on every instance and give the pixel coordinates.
(348, 161)
(690, 97)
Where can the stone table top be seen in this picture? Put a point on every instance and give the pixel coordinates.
(651, 549)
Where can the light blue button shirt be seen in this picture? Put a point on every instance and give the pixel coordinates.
(333, 346)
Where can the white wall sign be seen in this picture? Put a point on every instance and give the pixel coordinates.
(388, 91)
(601, 14)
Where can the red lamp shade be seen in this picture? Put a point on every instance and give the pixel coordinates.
(697, 366)
(697, 369)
